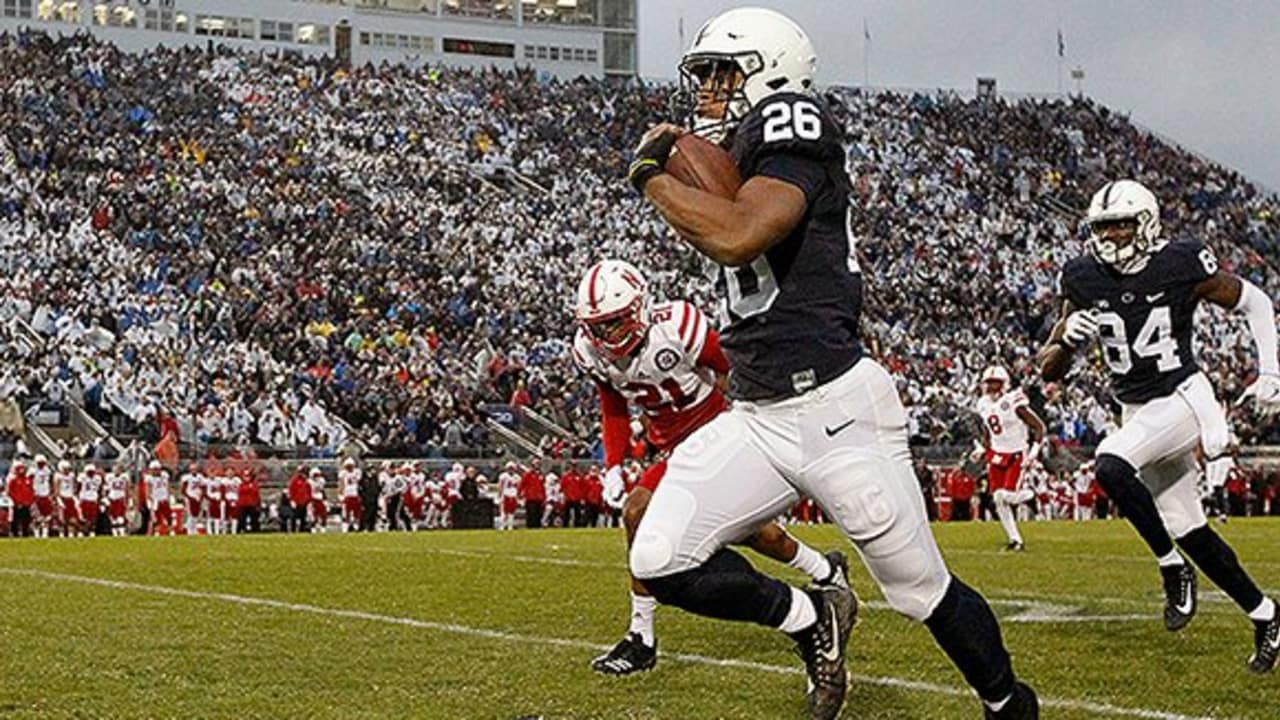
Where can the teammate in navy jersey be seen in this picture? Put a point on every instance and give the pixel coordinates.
(1137, 293)
(811, 414)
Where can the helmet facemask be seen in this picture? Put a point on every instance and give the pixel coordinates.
(1122, 242)
(993, 387)
(618, 334)
(712, 94)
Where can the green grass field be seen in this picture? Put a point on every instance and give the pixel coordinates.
(483, 624)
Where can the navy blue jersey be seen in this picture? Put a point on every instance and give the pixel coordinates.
(792, 314)
(1145, 319)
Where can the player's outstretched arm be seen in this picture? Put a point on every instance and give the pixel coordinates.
(1239, 295)
(730, 232)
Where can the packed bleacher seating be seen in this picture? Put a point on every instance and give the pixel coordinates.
(265, 245)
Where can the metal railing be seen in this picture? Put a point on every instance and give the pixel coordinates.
(544, 424)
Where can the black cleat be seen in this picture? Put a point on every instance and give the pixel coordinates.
(1022, 705)
(1266, 644)
(839, 576)
(1179, 596)
(822, 647)
(1015, 546)
(630, 655)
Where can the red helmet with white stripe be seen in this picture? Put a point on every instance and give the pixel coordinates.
(613, 307)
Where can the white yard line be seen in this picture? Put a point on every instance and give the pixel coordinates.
(901, 683)
(1086, 557)
(1009, 597)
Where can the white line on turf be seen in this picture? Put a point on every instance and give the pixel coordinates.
(894, 682)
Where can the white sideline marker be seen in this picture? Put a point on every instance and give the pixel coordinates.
(902, 683)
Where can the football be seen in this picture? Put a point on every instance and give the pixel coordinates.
(702, 164)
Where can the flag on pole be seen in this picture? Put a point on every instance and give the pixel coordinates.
(1062, 47)
(866, 32)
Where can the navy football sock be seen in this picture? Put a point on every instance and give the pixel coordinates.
(1218, 562)
(966, 630)
(726, 587)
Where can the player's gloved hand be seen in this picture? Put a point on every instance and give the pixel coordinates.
(615, 490)
(1265, 392)
(978, 454)
(1031, 455)
(650, 156)
(1082, 326)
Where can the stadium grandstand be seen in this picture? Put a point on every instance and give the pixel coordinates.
(564, 38)
(355, 228)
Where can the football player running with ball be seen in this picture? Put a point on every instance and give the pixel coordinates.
(666, 359)
(811, 414)
(1136, 293)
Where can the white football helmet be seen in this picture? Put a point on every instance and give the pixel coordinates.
(41, 460)
(772, 53)
(64, 465)
(1118, 203)
(613, 307)
(992, 375)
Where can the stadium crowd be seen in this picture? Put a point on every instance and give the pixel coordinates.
(276, 249)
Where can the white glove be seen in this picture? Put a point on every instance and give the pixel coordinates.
(1082, 326)
(1265, 392)
(615, 490)
(1032, 454)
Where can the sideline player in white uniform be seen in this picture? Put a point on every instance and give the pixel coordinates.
(1008, 422)
(349, 483)
(508, 499)
(319, 508)
(159, 499)
(1136, 293)
(811, 415)
(90, 493)
(42, 485)
(193, 491)
(69, 512)
(231, 499)
(665, 359)
(117, 492)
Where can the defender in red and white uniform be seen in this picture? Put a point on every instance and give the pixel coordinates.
(117, 484)
(1008, 424)
(69, 515)
(90, 494)
(193, 485)
(159, 498)
(665, 359)
(349, 485)
(42, 485)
